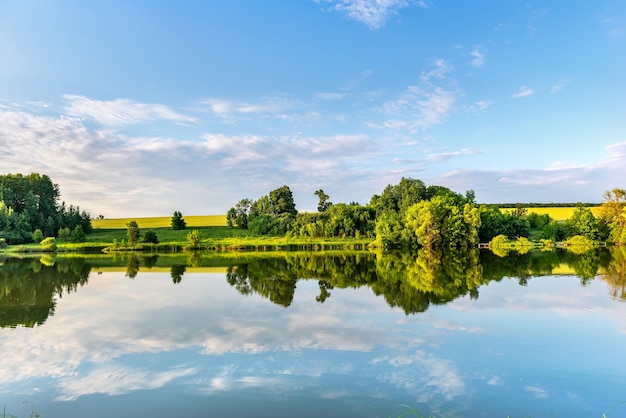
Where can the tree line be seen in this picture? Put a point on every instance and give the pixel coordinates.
(30, 211)
(411, 214)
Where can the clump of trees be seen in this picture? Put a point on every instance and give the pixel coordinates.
(271, 214)
(411, 214)
(29, 203)
(408, 214)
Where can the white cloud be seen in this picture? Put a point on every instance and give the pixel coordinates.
(373, 13)
(122, 112)
(479, 58)
(117, 380)
(523, 92)
(560, 85)
(108, 173)
(423, 105)
(558, 182)
(448, 155)
(228, 109)
(537, 391)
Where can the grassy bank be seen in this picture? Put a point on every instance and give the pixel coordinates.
(212, 238)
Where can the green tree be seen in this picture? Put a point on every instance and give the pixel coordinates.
(613, 214)
(64, 233)
(37, 235)
(78, 235)
(178, 223)
(441, 223)
(238, 215)
(582, 222)
(273, 214)
(132, 232)
(150, 236)
(323, 204)
(193, 238)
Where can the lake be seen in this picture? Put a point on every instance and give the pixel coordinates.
(321, 334)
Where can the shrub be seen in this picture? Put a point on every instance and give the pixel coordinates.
(194, 239)
(49, 244)
(3, 243)
(150, 237)
(64, 233)
(37, 235)
(78, 235)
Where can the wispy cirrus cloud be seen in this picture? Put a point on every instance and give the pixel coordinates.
(448, 155)
(523, 92)
(478, 57)
(559, 85)
(373, 13)
(423, 105)
(121, 112)
(229, 109)
(571, 182)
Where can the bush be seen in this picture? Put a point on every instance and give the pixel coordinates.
(150, 237)
(37, 235)
(3, 243)
(78, 235)
(49, 244)
(64, 233)
(194, 239)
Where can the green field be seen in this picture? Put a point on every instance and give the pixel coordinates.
(159, 222)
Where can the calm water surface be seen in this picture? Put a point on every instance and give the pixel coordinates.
(314, 335)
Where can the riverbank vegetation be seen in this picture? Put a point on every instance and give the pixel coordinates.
(409, 215)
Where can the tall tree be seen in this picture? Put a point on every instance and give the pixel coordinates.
(323, 204)
(613, 214)
(178, 222)
(132, 232)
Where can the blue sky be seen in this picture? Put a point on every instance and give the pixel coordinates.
(145, 107)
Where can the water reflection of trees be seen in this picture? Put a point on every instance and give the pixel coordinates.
(414, 282)
(614, 272)
(411, 282)
(28, 288)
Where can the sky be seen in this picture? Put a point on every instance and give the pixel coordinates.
(140, 108)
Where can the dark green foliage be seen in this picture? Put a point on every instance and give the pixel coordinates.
(28, 203)
(64, 233)
(150, 236)
(323, 205)
(340, 220)
(178, 223)
(37, 235)
(3, 244)
(78, 235)
(176, 272)
(132, 232)
(582, 222)
(272, 214)
(238, 216)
